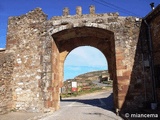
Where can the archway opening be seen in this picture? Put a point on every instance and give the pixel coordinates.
(67, 40)
(82, 60)
(88, 68)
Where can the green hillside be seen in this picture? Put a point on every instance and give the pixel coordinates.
(88, 82)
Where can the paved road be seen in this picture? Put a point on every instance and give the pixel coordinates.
(95, 106)
(98, 84)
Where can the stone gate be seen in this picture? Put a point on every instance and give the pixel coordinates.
(32, 65)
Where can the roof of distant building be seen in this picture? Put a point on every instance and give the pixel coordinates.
(153, 13)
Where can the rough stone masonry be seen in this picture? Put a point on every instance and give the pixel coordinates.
(31, 67)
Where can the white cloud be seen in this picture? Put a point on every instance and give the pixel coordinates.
(86, 56)
(82, 60)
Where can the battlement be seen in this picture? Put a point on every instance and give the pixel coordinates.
(79, 14)
(79, 10)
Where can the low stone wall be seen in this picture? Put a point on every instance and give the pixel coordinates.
(6, 70)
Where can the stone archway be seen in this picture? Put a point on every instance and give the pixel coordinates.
(67, 40)
(39, 47)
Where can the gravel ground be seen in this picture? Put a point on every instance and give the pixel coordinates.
(23, 116)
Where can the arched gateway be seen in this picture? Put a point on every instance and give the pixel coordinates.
(39, 47)
(67, 40)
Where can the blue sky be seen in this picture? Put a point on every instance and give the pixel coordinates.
(8, 8)
(139, 8)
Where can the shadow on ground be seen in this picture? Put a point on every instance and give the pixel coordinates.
(105, 103)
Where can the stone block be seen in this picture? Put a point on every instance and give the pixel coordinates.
(120, 78)
(78, 10)
(47, 104)
(120, 103)
(123, 89)
(119, 57)
(92, 10)
(119, 51)
(127, 73)
(120, 67)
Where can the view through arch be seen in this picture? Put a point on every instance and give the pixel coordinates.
(82, 60)
(67, 40)
(88, 67)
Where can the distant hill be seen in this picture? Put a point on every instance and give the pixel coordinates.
(89, 80)
(92, 75)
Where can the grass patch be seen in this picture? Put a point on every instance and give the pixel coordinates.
(108, 82)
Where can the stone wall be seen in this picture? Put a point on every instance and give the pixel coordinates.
(40, 46)
(140, 88)
(142, 91)
(6, 80)
(23, 40)
(120, 50)
(155, 37)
